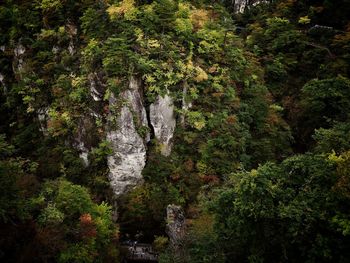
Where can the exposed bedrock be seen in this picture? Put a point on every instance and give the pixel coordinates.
(240, 5)
(18, 59)
(175, 228)
(163, 121)
(129, 147)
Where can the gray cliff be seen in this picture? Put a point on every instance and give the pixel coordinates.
(163, 122)
(129, 148)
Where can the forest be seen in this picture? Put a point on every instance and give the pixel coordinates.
(214, 131)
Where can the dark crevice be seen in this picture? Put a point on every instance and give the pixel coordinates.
(146, 105)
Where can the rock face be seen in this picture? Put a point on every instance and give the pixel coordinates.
(81, 138)
(134, 98)
(175, 227)
(2, 82)
(2, 77)
(129, 148)
(72, 32)
(84, 152)
(95, 86)
(186, 105)
(163, 122)
(18, 62)
(128, 134)
(43, 117)
(240, 5)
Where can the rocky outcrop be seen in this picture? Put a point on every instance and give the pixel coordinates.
(163, 122)
(128, 134)
(55, 49)
(175, 227)
(96, 86)
(18, 61)
(240, 5)
(86, 135)
(134, 99)
(3, 84)
(186, 104)
(83, 152)
(72, 32)
(43, 117)
(129, 148)
(2, 77)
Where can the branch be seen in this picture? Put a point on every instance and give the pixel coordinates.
(321, 47)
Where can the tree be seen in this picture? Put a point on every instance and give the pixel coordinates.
(325, 101)
(282, 213)
(86, 229)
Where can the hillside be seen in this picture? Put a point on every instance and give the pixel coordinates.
(217, 131)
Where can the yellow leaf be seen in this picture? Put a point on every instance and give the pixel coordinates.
(201, 75)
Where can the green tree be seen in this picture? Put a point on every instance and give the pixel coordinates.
(282, 213)
(86, 229)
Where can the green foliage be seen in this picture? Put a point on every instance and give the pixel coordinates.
(51, 215)
(282, 35)
(335, 138)
(101, 152)
(258, 88)
(196, 119)
(304, 20)
(183, 26)
(203, 245)
(79, 252)
(326, 100)
(16, 174)
(92, 23)
(160, 243)
(48, 5)
(72, 200)
(341, 220)
(86, 227)
(281, 211)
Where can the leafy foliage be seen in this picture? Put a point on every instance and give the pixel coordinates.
(260, 157)
(281, 212)
(85, 227)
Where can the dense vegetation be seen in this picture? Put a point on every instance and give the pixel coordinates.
(261, 162)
